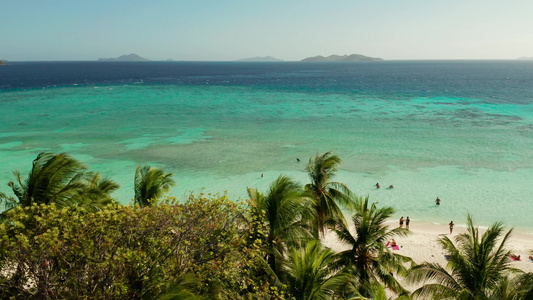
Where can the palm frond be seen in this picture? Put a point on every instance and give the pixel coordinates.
(370, 260)
(285, 211)
(49, 177)
(54, 178)
(94, 192)
(309, 273)
(478, 264)
(328, 195)
(150, 184)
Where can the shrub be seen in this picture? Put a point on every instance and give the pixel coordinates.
(124, 252)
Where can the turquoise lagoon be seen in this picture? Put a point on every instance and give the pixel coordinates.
(476, 155)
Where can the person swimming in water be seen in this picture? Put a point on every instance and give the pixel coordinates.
(377, 185)
(437, 201)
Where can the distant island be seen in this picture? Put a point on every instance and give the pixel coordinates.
(260, 59)
(525, 58)
(352, 57)
(2, 62)
(130, 57)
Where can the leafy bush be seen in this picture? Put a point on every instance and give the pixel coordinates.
(124, 252)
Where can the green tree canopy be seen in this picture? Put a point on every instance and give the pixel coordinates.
(189, 249)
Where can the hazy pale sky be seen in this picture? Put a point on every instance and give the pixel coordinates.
(286, 29)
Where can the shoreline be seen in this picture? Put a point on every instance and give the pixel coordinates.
(422, 244)
(459, 227)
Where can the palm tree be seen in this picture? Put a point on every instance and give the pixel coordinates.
(310, 273)
(61, 180)
(285, 214)
(478, 265)
(96, 191)
(8, 201)
(513, 288)
(377, 292)
(369, 258)
(54, 178)
(58, 179)
(325, 192)
(524, 286)
(151, 184)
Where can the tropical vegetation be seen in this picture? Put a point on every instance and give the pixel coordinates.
(478, 268)
(311, 272)
(285, 213)
(61, 180)
(63, 236)
(328, 195)
(150, 185)
(123, 252)
(368, 257)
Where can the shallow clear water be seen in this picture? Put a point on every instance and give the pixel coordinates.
(462, 131)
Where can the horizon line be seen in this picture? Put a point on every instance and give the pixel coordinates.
(279, 61)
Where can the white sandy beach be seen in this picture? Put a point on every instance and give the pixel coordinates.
(422, 244)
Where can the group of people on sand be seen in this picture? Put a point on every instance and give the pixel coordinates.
(407, 221)
(379, 186)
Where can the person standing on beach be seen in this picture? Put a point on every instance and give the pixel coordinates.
(451, 226)
(437, 201)
(401, 222)
(407, 221)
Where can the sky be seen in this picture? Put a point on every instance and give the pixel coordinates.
(221, 30)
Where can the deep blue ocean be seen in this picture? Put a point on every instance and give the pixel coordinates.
(492, 81)
(459, 130)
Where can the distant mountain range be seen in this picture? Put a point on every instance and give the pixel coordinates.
(259, 59)
(129, 57)
(352, 57)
